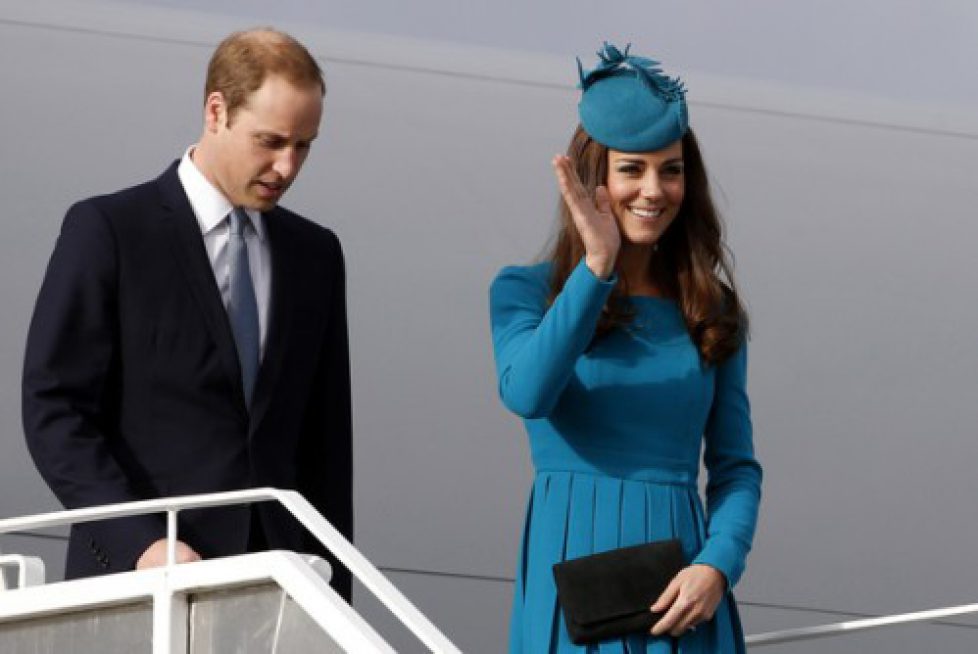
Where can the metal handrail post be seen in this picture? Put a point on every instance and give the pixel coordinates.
(171, 537)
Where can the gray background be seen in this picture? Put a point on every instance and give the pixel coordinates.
(842, 141)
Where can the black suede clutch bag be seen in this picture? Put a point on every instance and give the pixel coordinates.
(609, 594)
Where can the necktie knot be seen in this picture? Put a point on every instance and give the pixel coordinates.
(239, 221)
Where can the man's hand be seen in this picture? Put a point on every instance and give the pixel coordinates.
(155, 555)
(691, 598)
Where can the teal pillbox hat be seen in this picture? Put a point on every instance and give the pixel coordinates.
(628, 104)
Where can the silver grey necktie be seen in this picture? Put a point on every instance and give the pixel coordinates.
(242, 306)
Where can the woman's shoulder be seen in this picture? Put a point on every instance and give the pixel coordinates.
(524, 282)
(539, 272)
(532, 276)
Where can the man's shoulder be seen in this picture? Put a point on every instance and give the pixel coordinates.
(303, 230)
(124, 201)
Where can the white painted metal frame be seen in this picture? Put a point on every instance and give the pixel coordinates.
(288, 570)
(853, 626)
(168, 586)
(172, 577)
(30, 570)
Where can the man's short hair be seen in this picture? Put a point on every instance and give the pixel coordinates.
(243, 60)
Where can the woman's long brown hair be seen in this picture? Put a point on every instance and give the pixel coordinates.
(690, 263)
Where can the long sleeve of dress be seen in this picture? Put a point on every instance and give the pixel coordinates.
(733, 489)
(536, 347)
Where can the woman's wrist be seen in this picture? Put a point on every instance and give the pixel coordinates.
(602, 266)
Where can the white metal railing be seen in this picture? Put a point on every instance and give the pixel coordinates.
(30, 570)
(360, 566)
(854, 626)
(289, 571)
(293, 502)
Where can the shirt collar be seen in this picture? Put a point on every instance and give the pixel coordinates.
(209, 205)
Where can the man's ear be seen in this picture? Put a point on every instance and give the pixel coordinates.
(215, 112)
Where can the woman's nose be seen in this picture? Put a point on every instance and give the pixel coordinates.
(651, 187)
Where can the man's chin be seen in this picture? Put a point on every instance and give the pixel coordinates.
(260, 204)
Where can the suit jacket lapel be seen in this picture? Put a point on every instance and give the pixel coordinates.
(188, 248)
(284, 283)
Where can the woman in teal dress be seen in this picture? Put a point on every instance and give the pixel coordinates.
(625, 354)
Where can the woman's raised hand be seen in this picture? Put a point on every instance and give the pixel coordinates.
(593, 218)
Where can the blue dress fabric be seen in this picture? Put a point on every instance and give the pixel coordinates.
(617, 426)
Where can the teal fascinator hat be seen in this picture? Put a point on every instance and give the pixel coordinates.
(628, 104)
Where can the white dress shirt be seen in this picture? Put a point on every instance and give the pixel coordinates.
(212, 209)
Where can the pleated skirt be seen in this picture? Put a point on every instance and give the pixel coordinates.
(573, 514)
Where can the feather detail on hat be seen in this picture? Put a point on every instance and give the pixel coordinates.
(612, 61)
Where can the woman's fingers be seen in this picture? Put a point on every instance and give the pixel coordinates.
(602, 200)
(570, 185)
(690, 598)
(673, 620)
(667, 604)
(575, 181)
(667, 597)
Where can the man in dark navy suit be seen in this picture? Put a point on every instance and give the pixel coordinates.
(190, 335)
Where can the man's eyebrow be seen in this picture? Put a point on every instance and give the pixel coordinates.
(283, 137)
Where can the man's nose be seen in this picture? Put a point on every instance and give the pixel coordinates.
(286, 163)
